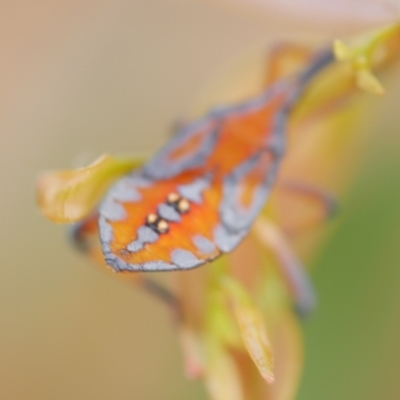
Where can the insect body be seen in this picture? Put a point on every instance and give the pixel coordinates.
(198, 197)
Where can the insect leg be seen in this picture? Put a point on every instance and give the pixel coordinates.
(313, 205)
(314, 193)
(162, 293)
(177, 125)
(293, 272)
(85, 237)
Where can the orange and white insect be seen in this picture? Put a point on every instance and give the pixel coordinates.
(198, 197)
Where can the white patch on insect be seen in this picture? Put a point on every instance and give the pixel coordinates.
(163, 167)
(106, 233)
(234, 214)
(168, 213)
(158, 266)
(144, 235)
(203, 244)
(194, 191)
(125, 191)
(225, 240)
(184, 259)
(112, 210)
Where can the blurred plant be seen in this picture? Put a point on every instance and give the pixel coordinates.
(235, 317)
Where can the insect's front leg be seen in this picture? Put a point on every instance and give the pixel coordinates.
(85, 238)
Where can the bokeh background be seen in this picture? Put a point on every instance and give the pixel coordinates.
(79, 78)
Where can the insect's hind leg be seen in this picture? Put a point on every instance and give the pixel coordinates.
(326, 199)
(323, 206)
(317, 206)
(292, 271)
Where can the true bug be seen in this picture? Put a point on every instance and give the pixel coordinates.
(198, 197)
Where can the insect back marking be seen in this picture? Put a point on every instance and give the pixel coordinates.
(189, 149)
(179, 203)
(162, 231)
(157, 224)
(170, 211)
(158, 231)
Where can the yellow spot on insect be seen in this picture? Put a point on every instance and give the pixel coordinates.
(183, 206)
(173, 197)
(162, 226)
(152, 218)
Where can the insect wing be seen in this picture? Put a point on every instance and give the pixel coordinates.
(198, 197)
